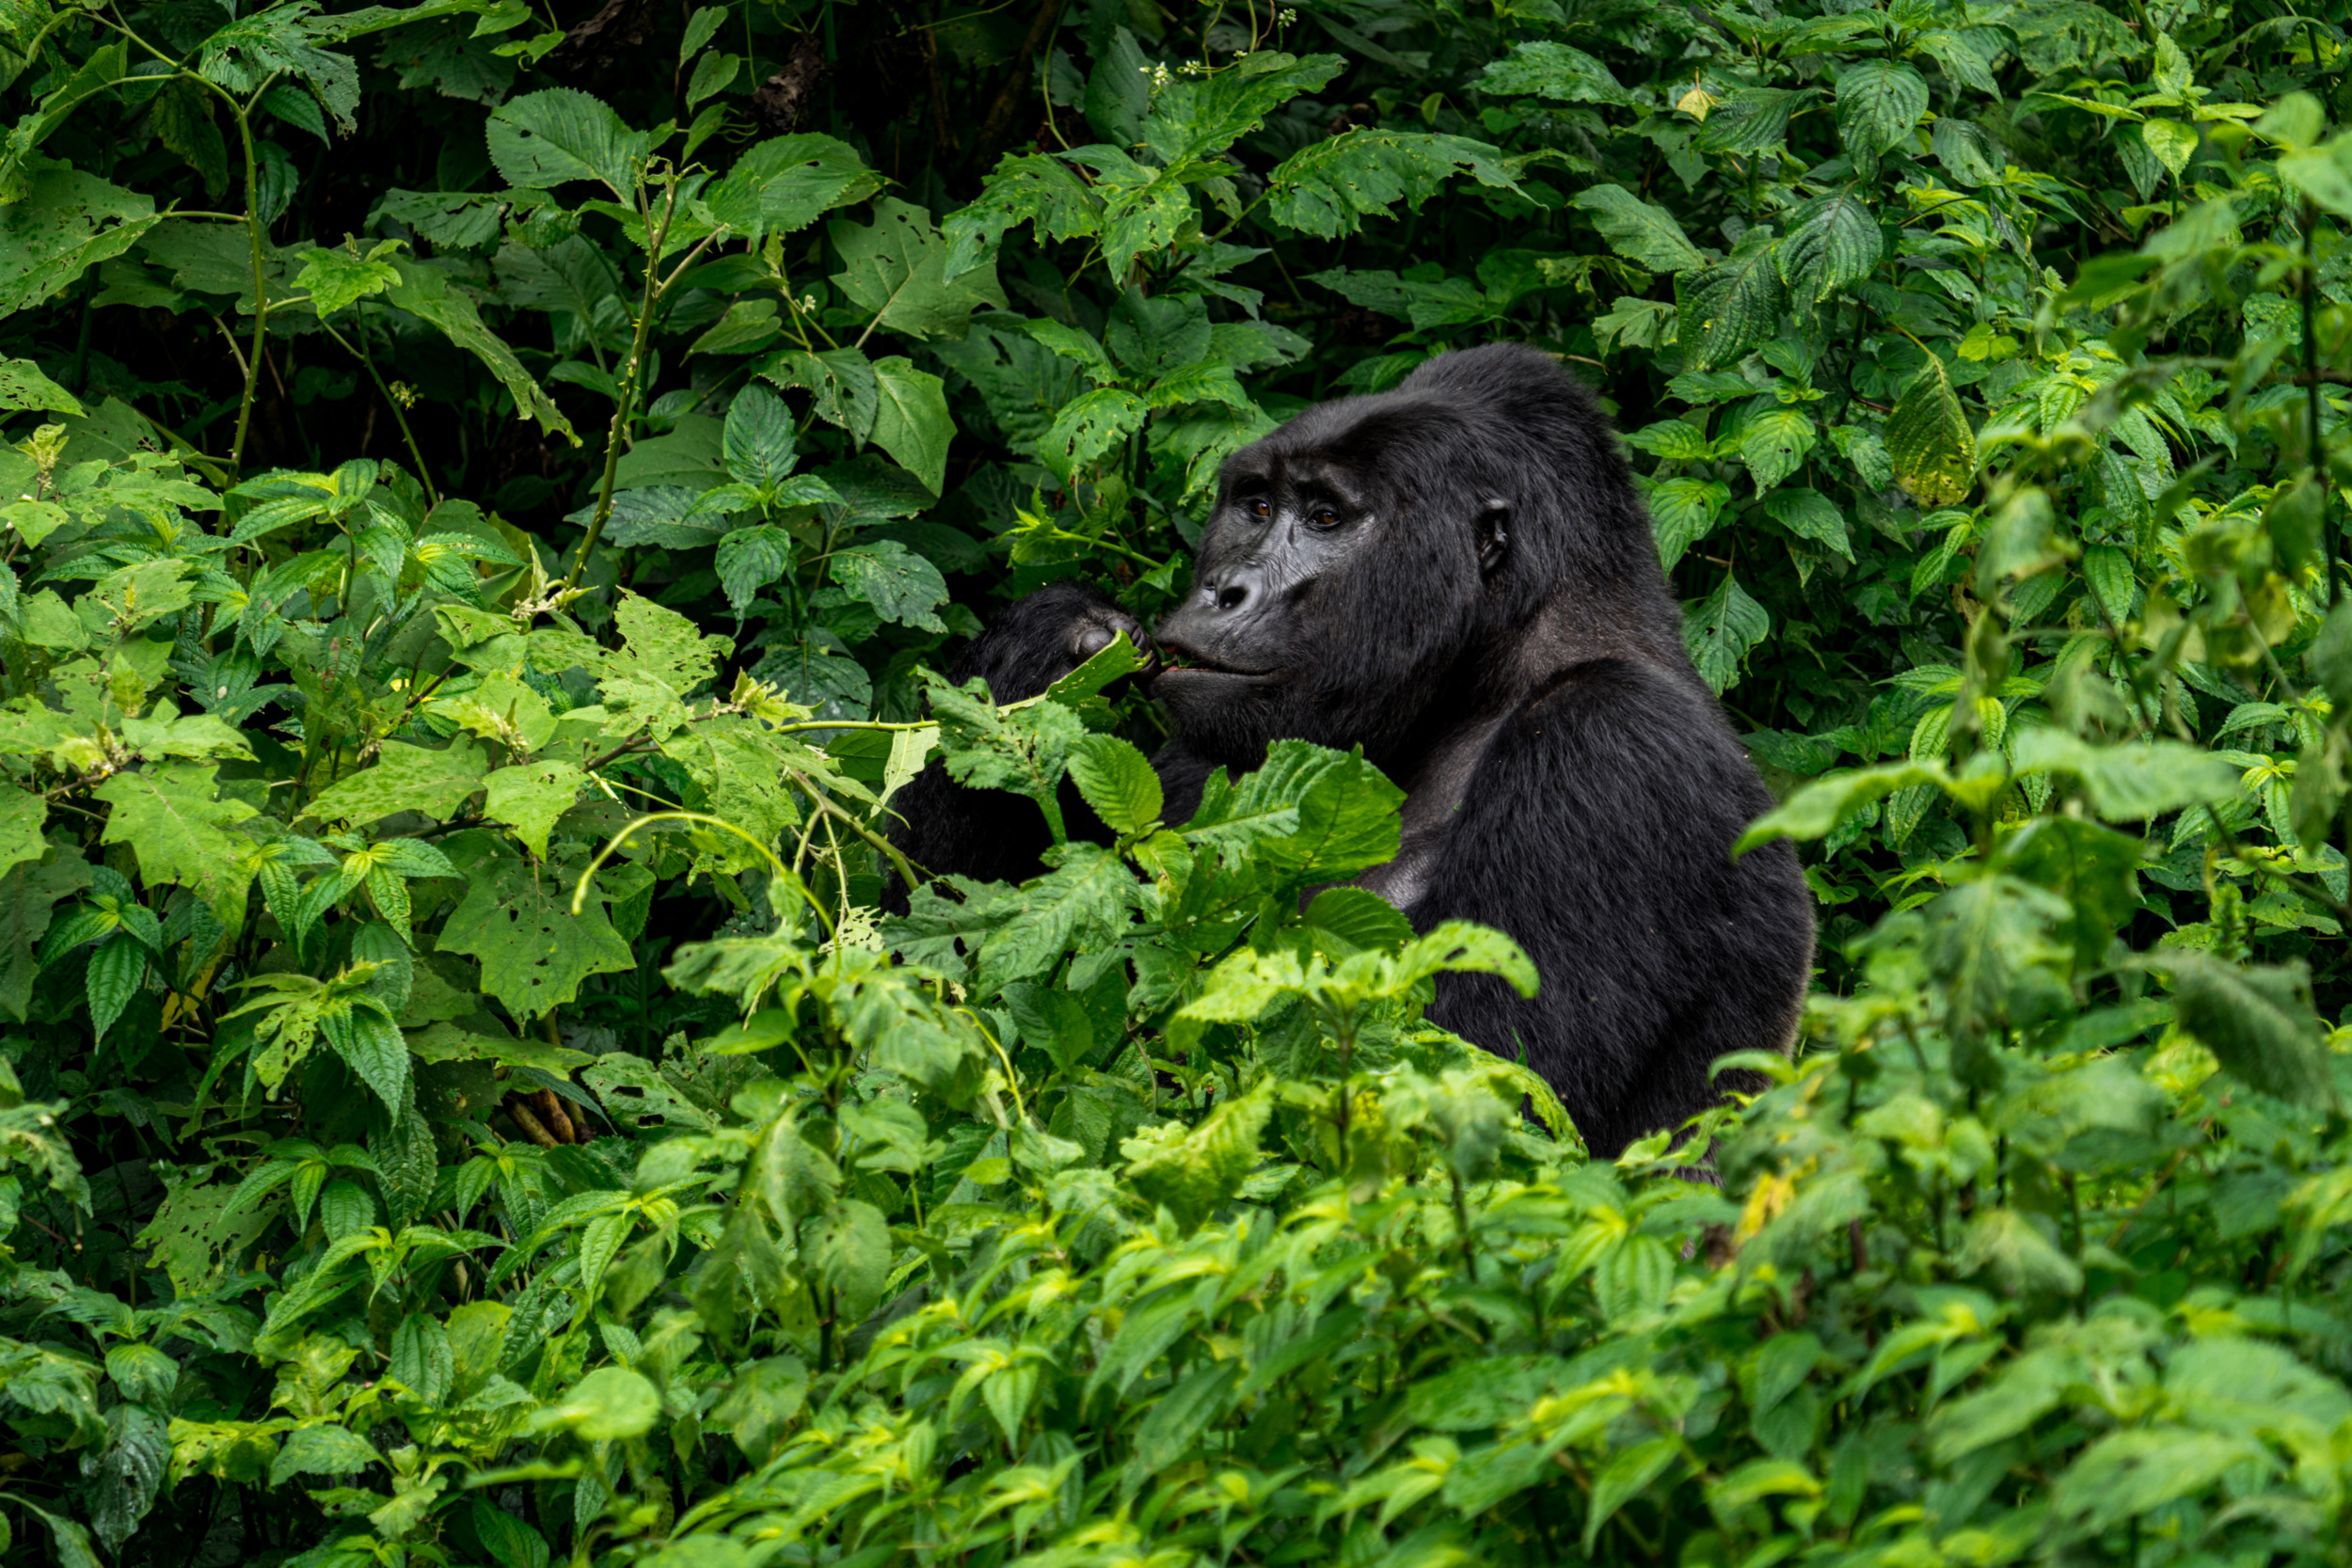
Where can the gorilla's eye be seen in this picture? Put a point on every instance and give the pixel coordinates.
(1258, 508)
(1323, 517)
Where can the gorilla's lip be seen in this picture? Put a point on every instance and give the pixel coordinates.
(1178, 659)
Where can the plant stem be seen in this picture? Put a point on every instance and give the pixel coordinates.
(630, 374)
(2311, 376)
(360, 348)
(260, 286)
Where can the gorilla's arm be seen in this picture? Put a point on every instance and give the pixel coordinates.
(948, 830)
(1656, 952)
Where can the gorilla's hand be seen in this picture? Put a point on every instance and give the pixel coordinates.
(1045, 637)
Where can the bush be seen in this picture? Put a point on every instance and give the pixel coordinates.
(494, 489)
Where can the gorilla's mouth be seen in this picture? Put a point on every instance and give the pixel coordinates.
(1178, 659)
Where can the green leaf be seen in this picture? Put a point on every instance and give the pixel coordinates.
(2126, 1474)
(1878, 103)
(1081, 904)
(327, 1449)
(1967, 153)
(1728, 310)
(1809, 515)
(1089, 426)
(371, 1046)
(1030, 188)
(1628, 1475)
(894, 269)
(758, 442)
(1832, 240)
(899, 584)
(1818, 809)
(116, 970)
(1554, 71)
(1929, 439)
(552, 137)
(1720, 629)
(1118, 781)
(1327, 188)
(2129, 782)
(430, 780)
(142, 1373)
(21, 814)
(850, 1250)
(65, 223)
(787, 183)
(750, 559)
(125, 1479)
(609, 1402)
(424, 292)
(1194, 1171)
(911, 419)
(530, 797)
(22, 386)
(1639, 230)
(2172, 142)
(337, 279)
(174, 820)
(1774, 443)
(1684, 511)
(845, 390)
(2257, 1021)
(534, 951)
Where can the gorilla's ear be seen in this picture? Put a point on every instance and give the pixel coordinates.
(1494, 535)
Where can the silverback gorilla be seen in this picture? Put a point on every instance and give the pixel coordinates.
(1458, 576)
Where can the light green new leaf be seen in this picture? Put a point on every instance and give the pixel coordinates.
(1818, 809)
(321, 1450)
(1639, 230)
(2131, 783)
(530, 797)
(335, 280)
(22, 813)
(2259, 1021)
(1684, 511)
(425, 779)
(611, 1401)
(1928, 438)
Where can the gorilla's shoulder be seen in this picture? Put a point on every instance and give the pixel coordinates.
(1632, 716)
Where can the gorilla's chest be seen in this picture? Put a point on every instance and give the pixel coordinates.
(1433, 804)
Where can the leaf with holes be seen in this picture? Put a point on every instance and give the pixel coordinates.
(534, 951)
(902, 585)
(1774, 443)
(1720, 629)
(1928, 438)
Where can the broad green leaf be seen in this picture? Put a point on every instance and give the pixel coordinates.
(326, 1450)
(530, 797)
(757, 443)
(1089, 426)
(1628, 1475)
(894, 269)
(64, 224)
(911, 419)
(21, 814)
(1878, 103)
(1030, 188)
(115, 969)
(750, 559)
(1833, 242)
(786, 183)
(1683, 511)
(2129, 782)
(1118, 781)
(2172, 142)
(404, 777)
(1194, 1170)
(1727, 310)
(1081, 903)
(172, 817)
(1720, 629)
(337, 279)
(1329, 188)
(1809, 515)
(555, 136)
(1639, 230)
(1554, 71)
(611, 1401)
(534, 951)
(1929, 439)
(2257, 1021)
(842, 381)
(899, 584)
(1774, 444)
(22, 386)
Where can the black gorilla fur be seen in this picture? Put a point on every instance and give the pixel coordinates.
(1458, 577)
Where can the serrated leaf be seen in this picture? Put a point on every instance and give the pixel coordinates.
(1684, 511)
(1832, 241)
(749, 559)
(1928, 438)
(902, 585)
(894, 269)
(1118, 781)
(841, 381)
(552, 137)
(174, 818)
(115, 969)
(1089, 426)
(1639, 230)
(756, 443)
(787, 183)
(1719, 632)
(1774, 443)
(534, 951)
(1727, 311)
(431, 780)
(1329, 188)
(530, 797)
(911, 419)
(1878, 103)
(1554, 71)
(1809, 515)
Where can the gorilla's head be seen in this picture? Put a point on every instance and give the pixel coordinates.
(1384, 562)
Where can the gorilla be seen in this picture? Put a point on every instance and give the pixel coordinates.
(1458, 577)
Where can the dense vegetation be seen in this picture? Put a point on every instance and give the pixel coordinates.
(492, 484)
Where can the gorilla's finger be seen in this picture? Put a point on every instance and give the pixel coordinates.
(1091, 639)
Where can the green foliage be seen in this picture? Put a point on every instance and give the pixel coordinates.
(473, 584)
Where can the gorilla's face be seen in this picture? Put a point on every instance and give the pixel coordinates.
(1320, 596)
